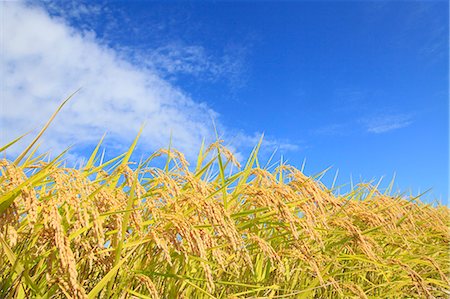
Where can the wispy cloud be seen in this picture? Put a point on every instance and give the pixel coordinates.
(44, 59)
(79, 10)
(179, 58)
(376, 124)
(385, 123)
(158, 43)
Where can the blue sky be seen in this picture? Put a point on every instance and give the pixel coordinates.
(360, 86)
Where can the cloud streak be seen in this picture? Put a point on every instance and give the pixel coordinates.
(386, 123)
(378, 124)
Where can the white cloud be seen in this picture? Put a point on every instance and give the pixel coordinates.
(386, 123)
(43, 60)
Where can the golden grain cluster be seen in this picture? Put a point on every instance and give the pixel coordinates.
(112, 229)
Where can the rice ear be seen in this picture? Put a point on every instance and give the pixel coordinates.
(123, 229)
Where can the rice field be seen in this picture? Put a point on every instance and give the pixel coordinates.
(116, 229)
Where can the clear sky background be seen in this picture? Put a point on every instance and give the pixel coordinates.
(360, 86)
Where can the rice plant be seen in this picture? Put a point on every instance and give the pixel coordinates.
(112, 229)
